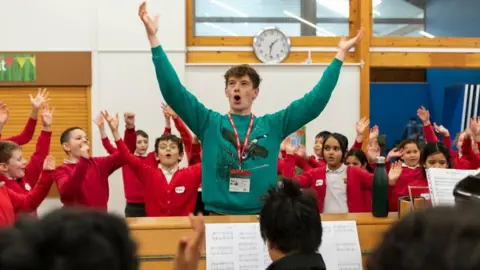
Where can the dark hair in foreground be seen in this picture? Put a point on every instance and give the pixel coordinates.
(290, 220)
(440, 238)
(65, 136)
(68, 239)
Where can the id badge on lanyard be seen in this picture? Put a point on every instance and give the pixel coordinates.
(240, 179)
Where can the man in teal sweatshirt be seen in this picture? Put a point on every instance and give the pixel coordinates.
(240, 150)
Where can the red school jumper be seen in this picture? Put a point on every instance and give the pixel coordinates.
(26, 135)
(176, 198)
(133, 187)
(12, 202)
(359, 185)
(34, 167)
(85, 183)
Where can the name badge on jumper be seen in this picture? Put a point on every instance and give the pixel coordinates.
(27, 187)
(180, 190)
(240, 181)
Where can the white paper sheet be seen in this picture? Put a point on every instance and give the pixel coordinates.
(441, 183)
(239, 246)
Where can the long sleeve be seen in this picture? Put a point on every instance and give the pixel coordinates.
(35, 164)
(138, 166)
(302, 163)
(184, 103)
(108, 146)
(307, 108)
(186, 136)
(35, 197)
(26, 135)
(365, 178)
(471, 156)
(69, 184)
(167, 131)
(196, 154)
(130, 138)
(357, 145)
(304, 179)
(429, 134)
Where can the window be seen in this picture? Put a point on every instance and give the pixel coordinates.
(399, 18)
(248, 17)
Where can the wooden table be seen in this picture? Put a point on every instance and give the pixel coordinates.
(158, 237)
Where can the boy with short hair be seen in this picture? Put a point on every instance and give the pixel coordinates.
(169, 191)
(27, 134)
(83, 180)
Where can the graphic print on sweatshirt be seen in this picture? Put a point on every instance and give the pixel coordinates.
(227, 155)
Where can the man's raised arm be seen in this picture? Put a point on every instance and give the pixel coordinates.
(180, 99)
(307, 108)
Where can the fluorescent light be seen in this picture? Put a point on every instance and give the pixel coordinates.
(229, 8)
(320, 31)
(426, 34)
(221, 29)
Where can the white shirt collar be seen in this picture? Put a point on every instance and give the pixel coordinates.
(339, 170)
(168, 172)
(406, 166)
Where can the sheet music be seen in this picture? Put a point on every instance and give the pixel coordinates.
(239, 246)
(441, 183)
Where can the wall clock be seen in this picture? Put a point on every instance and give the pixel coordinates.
(271, 45)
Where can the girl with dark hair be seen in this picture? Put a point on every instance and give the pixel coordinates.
(340, 188)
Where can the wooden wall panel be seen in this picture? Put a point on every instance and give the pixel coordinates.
(72, 108)
(398, 75)
(60, 69)
(424, 60)
(249, 57)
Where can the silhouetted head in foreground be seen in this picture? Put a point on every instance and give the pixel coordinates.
(440, 238)
(290, 221)
(69, 239)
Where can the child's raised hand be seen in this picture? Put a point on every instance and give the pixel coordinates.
(361, 125)
(475, 126)
(40, 99)
(395, 152)
(99, 121)
(168, 111)
(129, 118)
(373, 135)
(394, 173)
(289, 148)
(301, 151)
(441, 129)
(424, 115)
(112, 121)
(47, 116)
(189, 248)
(373, 151)
(4, 113)
(84, 148)
(151, 24)
(49, 163)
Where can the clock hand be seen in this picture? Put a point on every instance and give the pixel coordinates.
(271, 45)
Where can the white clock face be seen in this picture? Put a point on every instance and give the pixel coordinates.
(271, 46)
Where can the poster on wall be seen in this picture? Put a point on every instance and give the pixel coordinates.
(17, 68)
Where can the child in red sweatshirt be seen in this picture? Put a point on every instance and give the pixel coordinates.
(12, 202)
(83, 180)
(27, 134)
(169, 191)
(23, 180)
(339, 188)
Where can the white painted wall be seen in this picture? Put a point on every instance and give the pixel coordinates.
(123, 74)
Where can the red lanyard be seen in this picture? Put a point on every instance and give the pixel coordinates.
(245, 143)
